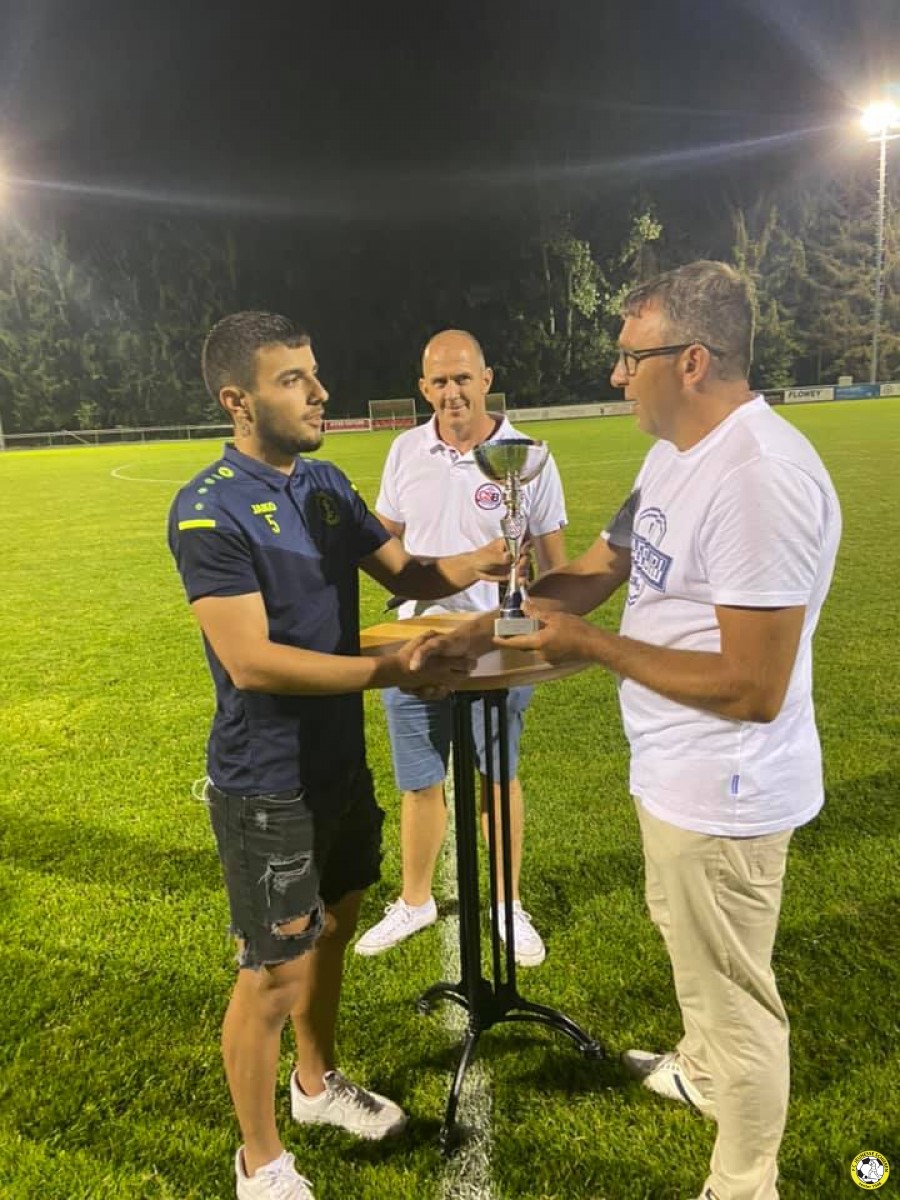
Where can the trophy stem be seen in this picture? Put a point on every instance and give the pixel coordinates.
(512, 619)
(511, 463)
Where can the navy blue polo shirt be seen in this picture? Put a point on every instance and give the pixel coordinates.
(239, 527)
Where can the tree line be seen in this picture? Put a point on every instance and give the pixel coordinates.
(101, 322)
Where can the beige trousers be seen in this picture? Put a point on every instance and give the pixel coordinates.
(716, 902)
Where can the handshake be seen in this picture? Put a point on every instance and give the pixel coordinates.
(433, 664)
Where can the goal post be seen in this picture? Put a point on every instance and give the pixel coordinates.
(393, 414)
(400, 413)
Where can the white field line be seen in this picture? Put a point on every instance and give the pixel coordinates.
(118, 473)
(467, 1175)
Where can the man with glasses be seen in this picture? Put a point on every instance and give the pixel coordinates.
(631, 359)
(728, 543)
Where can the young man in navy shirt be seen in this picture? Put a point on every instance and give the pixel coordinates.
(268, 545)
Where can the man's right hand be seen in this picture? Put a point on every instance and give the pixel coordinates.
(427, 666)
(470, 639)
(491, 561)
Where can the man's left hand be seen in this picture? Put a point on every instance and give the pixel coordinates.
(562, 637)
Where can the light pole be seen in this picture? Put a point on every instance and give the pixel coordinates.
(878, 120)
(3, 187)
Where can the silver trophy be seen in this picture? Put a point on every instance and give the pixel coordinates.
(511, 463)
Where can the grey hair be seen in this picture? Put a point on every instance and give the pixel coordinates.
(704, 301)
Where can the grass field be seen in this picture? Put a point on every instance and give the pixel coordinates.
(115, 964)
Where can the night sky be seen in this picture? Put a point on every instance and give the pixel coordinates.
(343, 105)
(396, 124)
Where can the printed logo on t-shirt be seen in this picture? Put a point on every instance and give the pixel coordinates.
(649, 565)
(488, 496)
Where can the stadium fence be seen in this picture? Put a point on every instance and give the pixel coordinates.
(402, 415)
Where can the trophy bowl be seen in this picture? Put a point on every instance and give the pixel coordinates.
(512, 462)
(519, 457)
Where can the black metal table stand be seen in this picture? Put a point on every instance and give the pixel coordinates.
(487, 1002)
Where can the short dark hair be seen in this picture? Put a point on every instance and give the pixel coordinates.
(230, 347)
(707, 302)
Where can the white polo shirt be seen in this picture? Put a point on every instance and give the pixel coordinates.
(448, 507)
(747, 517)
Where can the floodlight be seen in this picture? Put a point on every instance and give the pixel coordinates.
(880, 118)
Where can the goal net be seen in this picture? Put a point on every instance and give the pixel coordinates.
(393, 414)
(401, 413)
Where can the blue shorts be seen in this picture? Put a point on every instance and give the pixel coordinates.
(421, 732)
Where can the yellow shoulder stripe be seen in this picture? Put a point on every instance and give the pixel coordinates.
(198, 524)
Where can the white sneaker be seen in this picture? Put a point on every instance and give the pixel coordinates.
(399, 922)
(275, 1181)
(349, 1106)
(528, 947)
(663, 1074)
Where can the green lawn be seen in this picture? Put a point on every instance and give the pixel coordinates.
(116, 968)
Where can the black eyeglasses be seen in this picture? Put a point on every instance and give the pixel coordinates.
(631, 359)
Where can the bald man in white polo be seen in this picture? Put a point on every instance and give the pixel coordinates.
(434, 497)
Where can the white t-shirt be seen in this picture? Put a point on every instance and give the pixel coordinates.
(448, 507)
(747, 517)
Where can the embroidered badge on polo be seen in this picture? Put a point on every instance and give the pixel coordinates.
(488, 496)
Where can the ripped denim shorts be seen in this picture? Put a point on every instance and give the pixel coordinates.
(287, 855)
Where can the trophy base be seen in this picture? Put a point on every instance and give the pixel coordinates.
(515, 626)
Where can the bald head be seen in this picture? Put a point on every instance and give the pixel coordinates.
(455, 382)
(449, 342)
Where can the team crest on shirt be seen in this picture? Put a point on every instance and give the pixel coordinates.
(488, 496)
(650, 565)
(327, 508)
